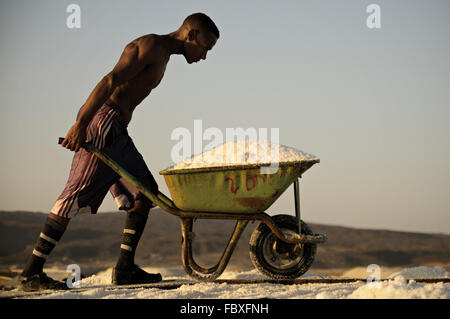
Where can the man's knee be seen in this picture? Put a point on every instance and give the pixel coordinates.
(63, 221)
(141, 207)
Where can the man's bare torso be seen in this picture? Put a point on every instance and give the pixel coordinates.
(129, 94)
(138, 71)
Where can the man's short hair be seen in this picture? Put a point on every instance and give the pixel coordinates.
(201, 20)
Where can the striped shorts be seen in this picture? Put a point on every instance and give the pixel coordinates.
(90, 178)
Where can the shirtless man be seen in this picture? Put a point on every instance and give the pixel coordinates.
(103, 121)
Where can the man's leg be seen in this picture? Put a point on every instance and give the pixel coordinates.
(126, 271)
(52, 232)
(125, 153)
(132, 232)
(32, 274)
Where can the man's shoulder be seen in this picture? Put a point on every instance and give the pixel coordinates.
(148, 41)
(150, 46)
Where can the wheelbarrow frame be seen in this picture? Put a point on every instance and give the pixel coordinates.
(187, 218)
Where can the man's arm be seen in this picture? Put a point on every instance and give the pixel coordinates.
(133, 59)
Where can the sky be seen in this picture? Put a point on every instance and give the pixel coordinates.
(372, 104)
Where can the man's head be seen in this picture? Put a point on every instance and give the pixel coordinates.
(199, 34)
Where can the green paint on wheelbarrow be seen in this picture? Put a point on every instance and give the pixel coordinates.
(232, 189)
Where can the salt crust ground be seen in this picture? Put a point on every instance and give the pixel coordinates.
(399, 286)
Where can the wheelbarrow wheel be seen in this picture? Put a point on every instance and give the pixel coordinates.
(277, 259)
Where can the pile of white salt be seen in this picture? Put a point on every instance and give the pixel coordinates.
(244, 152)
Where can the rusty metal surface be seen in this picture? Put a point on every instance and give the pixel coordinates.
(238, 190)
(234, 167)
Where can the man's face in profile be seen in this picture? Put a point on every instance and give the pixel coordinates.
(197, 45)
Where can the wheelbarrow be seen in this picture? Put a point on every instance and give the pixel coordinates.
(282, 247)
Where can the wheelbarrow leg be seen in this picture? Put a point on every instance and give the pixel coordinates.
(297, 205)
(190, 236)
(189, 264)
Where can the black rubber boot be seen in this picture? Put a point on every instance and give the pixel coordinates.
(40, 282)
(132, 276)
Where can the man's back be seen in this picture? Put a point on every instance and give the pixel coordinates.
(139, 70)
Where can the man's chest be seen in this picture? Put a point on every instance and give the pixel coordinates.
(151, 76)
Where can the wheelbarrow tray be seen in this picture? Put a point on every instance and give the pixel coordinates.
(233, 189)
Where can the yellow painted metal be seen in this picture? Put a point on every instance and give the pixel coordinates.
(233, 189)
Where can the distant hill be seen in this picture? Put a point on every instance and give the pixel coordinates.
(95, 240)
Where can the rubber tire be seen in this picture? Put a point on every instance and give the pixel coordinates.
(261, 233)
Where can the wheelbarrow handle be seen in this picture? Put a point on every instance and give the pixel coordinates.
(158, 198)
